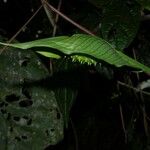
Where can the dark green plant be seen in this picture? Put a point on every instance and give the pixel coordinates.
(35, 104)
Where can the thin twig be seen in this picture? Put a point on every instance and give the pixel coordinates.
(147, 117)
(144, 115)
(54, 33)
(57, 17)
(133, 88)
(69, 20)
(18, 32)
(48, 13)
(122, 118)
(123, 124)
(143, 103)
(135, 57)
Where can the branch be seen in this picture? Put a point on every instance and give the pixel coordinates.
(57, 17)
(133, 88)
(68, 19)
(48, 13)
(123, 124)
(17, 33)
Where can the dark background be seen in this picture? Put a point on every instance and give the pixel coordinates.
(95, 117)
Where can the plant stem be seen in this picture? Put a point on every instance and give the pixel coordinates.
(123, 124)
(133, 88)
(48, 13)
(57, 17)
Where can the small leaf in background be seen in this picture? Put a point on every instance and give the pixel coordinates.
(120, 22)
(144, 3)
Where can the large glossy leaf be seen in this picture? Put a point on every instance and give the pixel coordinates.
(29, 115)
(84, 45)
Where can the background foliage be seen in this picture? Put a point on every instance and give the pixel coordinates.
(60, 104)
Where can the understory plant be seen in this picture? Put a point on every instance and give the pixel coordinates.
(37, 95)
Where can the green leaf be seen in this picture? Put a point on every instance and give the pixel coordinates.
(28, 111)
(65, 98)
(30, 123)
(120, 22)
(48, 54)
(84, 45)
(17, 65)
